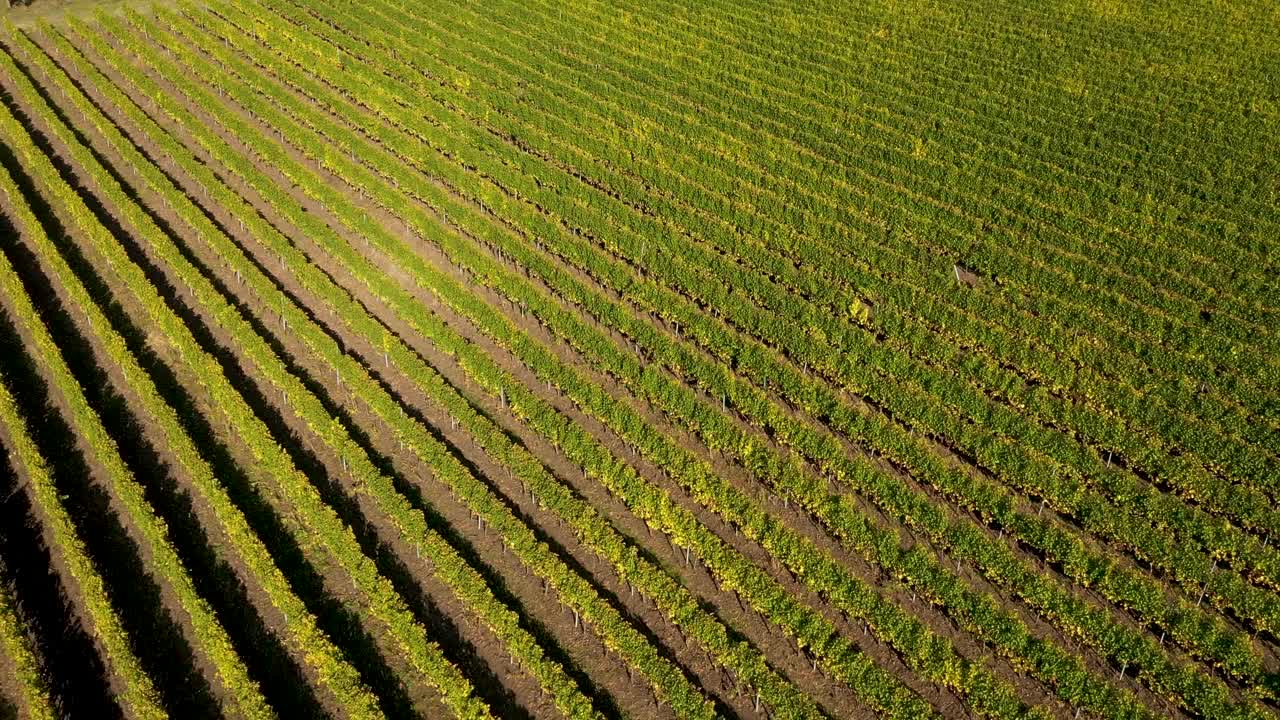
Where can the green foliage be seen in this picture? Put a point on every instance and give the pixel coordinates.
(761, 245)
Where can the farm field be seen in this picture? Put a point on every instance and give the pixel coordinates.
(618, 359)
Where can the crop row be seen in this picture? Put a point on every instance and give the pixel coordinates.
(603, 539)
(903, 629)
(16, 645)
(1209, 495)
(963, 74)
(832, 229)
(445, 561)
(772, 599)
(1054, 123)
(137, 694)
(210, 637)
(631, 81)
(484, 502)
(827, 180)
(735, 397)
(1239, 501)
(1255, 547)
(366, 188)
(321, 520)
(304, 634)
(1239, 647)
(712, 156)
(937, 85)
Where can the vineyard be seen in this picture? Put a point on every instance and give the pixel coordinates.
(617, 359)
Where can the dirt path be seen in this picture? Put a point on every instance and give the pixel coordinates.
(10, 692)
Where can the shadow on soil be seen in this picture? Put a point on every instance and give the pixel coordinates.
(135, 595)
(442, 628)
(217, 582)
(340, 623)
(268, 660)
(78, 678)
